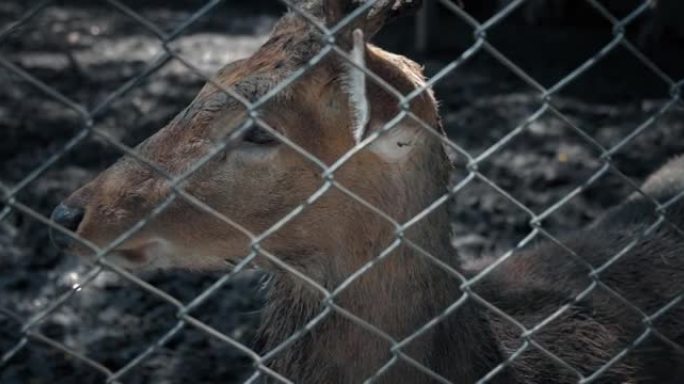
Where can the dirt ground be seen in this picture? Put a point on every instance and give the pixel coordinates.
(88, 51)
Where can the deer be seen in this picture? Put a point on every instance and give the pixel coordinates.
(334, 107)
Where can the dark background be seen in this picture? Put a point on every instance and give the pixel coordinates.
(87, 50)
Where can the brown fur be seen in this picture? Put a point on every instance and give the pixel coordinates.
(336, 235)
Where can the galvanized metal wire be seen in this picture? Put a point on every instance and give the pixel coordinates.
(29, 327)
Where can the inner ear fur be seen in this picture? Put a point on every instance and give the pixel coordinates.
(405, 76)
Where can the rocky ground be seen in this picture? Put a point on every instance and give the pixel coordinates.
(86, 52)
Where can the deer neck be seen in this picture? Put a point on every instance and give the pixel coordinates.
(395, 298)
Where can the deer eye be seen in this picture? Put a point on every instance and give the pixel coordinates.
(259, 136)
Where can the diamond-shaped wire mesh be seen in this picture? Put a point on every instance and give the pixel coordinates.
(529, 333)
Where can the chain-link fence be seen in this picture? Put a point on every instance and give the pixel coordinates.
(25, 326)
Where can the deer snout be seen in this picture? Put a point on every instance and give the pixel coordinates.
(112, 215)
(69, 217)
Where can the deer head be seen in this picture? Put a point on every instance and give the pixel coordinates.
(268, 167)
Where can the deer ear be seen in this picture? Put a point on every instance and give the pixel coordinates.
(396, 142)
(373, 18)
(385, 11)
(356, 87)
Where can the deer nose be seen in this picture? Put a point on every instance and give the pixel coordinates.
(69, 218)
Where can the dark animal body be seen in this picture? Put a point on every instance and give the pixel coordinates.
(531, 287)
(408, 296)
